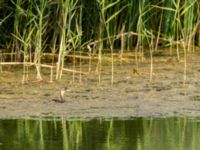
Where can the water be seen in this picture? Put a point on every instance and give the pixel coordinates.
(113, 134)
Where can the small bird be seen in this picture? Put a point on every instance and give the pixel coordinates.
(62, 94)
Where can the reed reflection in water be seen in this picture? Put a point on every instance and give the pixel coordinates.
(113, 134)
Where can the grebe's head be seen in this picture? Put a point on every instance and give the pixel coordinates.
(64, 89)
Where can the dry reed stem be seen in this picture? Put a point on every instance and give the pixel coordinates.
(55, 55)
(42, 65)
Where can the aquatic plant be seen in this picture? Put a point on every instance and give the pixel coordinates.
(80, 28)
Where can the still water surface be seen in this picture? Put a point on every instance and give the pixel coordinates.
(113, 134)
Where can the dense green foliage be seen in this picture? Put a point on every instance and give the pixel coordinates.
(28, 28)
(26, 21)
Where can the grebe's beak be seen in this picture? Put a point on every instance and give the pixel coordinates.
(65, 90)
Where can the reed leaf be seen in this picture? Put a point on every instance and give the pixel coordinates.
(115, 14)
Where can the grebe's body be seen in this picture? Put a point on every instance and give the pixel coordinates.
(62, 95)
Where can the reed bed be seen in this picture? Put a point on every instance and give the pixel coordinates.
(84, 30)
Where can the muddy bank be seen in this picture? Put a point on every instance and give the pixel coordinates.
(131, 95)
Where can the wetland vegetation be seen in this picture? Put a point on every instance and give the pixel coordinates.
(107, 53)
(49, 34)
(123, 59)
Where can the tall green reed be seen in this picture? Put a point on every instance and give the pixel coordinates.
(39, 40)
(68, 10)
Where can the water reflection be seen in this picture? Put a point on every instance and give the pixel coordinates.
(135, 134)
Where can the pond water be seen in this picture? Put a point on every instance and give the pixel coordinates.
(99, 134)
